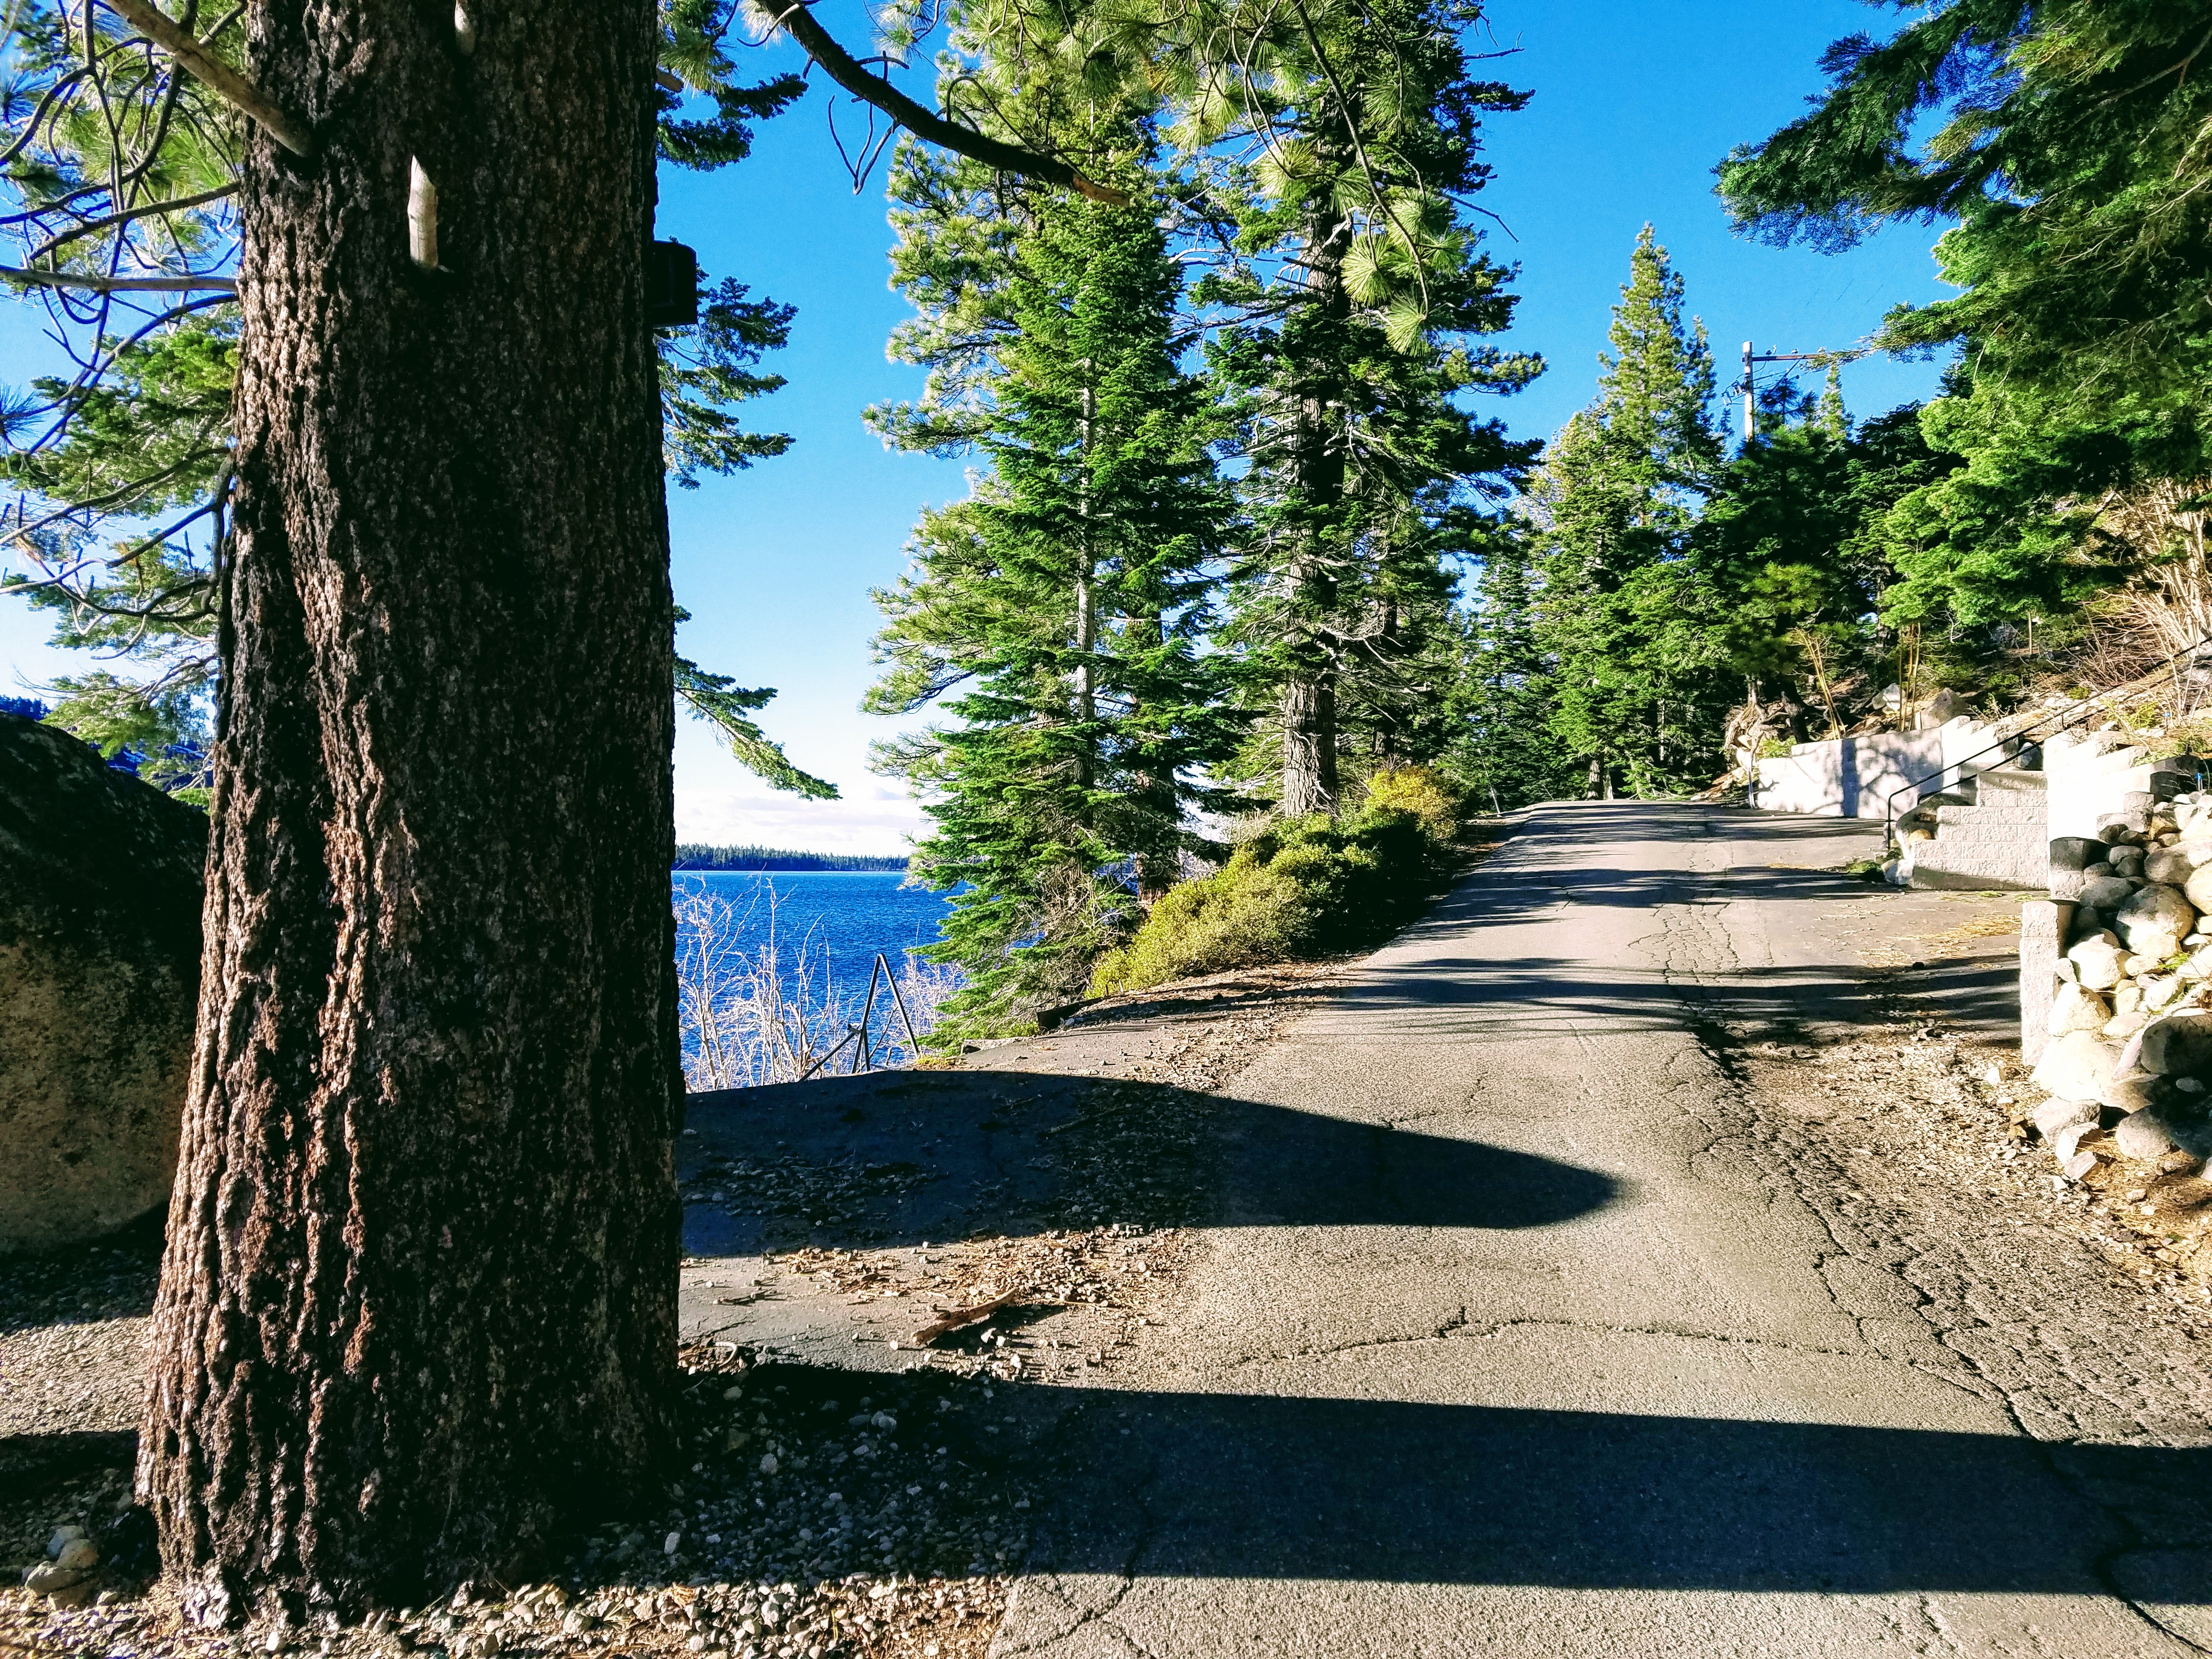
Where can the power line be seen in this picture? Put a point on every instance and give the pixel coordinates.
(1751, 357)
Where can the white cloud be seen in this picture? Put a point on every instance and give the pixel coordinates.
(868, 821)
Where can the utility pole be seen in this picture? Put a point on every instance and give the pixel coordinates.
(1751, 357)
(1746, 392)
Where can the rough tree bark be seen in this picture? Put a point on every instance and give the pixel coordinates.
(1307, 705)
(418, 1299)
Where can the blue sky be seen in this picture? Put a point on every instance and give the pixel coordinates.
(1634, 104)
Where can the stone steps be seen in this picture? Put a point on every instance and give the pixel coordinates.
(1999, 835)
(2005, 784)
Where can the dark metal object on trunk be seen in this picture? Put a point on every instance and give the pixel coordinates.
(671, 285)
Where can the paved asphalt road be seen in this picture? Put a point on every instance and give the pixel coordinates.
(1515, 1339)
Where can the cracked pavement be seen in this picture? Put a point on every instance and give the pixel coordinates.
(1527, 1326)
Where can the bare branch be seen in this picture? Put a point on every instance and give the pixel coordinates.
(181, 44)
(120, 284)
(842, 67)
(92, 226)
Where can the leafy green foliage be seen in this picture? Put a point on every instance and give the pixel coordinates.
(706, 371)
(728, 708)
(1503, 754)
(123, 468)
(695, 37)
(2076, 154)
(1354, 293)
(2071, 140)
(1302, 888)
(1633, 673)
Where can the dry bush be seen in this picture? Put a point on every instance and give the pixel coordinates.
(771, 1011)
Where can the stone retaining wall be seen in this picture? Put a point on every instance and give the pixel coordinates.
(2116, 982)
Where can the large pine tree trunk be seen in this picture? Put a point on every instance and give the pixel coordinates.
(1308, 698)
(1309, 716)
(419, 1293)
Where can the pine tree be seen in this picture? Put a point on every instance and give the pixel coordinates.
(1054, 613)
(150, 440)
(1354, 291)
(1504, 751)
(1611, 508)
(2065, 143)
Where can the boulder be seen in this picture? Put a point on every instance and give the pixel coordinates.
(2067, 1141)
(2075, 1066)
(2056, 1115)
(2172, 866)
(2073, 1009)
(2075, 852)
(2180, 1044)
(2096, 962)
(2143, 1134)
(2199, 883)
(2127, 1093)
(2128, 861)
(2108, 894)
(100, 960)
(2155, 921)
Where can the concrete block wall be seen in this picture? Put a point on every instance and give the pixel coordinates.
(2086, 780)
(2043, 924)
(2092, 775)
(1854, 777)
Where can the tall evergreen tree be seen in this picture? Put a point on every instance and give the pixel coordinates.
(1504, 751)
(1054, 613)
(418, 1295)
(1354, 292)
(1611, 508)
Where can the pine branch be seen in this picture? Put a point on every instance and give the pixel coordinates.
(846, 71)
(92, 227)
(725, 705)
(181, 44)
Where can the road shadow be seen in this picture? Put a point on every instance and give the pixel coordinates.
(1227, 1486)
(906, 1157)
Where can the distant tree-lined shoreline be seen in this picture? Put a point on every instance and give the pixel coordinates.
(691, 855)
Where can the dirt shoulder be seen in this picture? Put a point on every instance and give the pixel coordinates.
(851, 1492)
(1921, 1099)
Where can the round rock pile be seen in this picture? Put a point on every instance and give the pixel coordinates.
(2131, 1024)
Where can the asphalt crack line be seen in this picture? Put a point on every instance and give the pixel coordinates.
(1458, 1326)
(1808, 1185)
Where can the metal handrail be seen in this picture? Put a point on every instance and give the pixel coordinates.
(862, 1060)
(2090, 705)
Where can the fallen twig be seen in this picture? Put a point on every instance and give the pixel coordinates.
(959, 1319)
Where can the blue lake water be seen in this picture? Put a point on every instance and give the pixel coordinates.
(828, 926)
(853, 914)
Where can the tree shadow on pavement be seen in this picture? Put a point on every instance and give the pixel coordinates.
(904, 1157)
(1224, 1486)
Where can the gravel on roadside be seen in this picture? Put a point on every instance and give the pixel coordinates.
(825, 1513)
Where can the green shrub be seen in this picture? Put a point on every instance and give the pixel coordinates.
(1305, 888)
(1418, 790)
